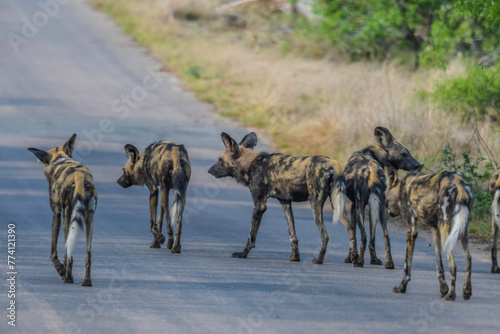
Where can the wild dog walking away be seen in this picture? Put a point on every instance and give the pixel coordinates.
(495, 213)
(71, 192)
(166, 165)
(286, 178)
(443, 201)
(365, 185)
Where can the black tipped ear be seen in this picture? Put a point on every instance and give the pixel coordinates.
(132, 152)
(43, 156)
(69, 146)
(383, 136)
(230, 144)
(249, 141)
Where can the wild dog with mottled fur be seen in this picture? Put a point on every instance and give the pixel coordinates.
(444, 202)
(166, 165)
(495, 222)
(71, 192)
(286, 178)
(366, 184)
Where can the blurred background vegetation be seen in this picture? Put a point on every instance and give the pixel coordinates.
(317, 76)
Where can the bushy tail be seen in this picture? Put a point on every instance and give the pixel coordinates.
(174, 212)
(179, 178)
(337, 197)
(77, 214)
(459, 223)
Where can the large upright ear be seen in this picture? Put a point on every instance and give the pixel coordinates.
(43, 156)
(392, 176)
(69, 146)
(383, 136)
(132, 153)
(249, 141)
(230, 144)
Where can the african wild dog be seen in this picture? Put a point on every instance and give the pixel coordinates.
(443, 201)
(286, 178)
(495, 213)
(365, 185)
(71, 192)
(166, 165)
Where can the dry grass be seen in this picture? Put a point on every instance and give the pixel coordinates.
(306, 106)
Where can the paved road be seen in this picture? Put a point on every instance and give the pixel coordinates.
(78, 73)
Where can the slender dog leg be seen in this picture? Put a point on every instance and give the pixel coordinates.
(159, 221)
(258, 211)
(317, 209)
(351, 231)
(494, 262)
(56, 225)
(467, 291)
(373, 220)
(389, 263)
(360, 222)
(178, 207)
(164, 204)
(89, 226)
(153, 208)
(445, 231)
(436, 239)
(411, 235)
(287, 208)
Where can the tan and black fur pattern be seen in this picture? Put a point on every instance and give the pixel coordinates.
(286, 178)
(163, 165)
(73, 194)
(495, 221)
(365, 186)
(443, 201)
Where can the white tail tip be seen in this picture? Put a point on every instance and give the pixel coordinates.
(459, 224)
(72, 234)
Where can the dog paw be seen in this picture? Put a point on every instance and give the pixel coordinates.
(155, 244)
(86, 282)
(444, 290)
(176, 248)
(170, 242)
(239, 255)
(358, 264)
(161, 239)
(399, 289)
(67, 279)
(450, 296)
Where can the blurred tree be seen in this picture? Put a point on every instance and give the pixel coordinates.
(433, 30)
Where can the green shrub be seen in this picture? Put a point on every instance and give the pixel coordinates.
(475, 171)
(476, 95)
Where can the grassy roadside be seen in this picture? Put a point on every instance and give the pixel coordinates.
(254, 70)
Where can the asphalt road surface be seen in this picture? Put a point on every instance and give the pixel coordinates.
(74, 72)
